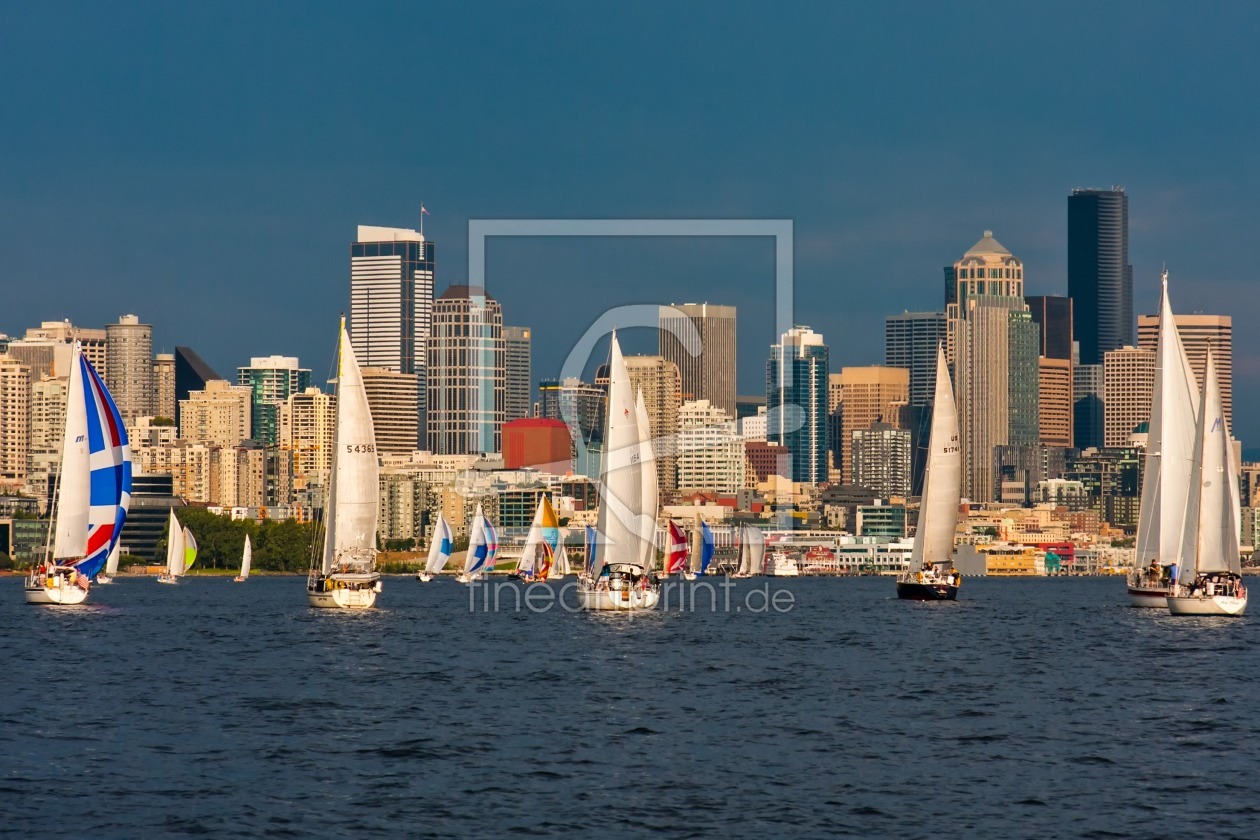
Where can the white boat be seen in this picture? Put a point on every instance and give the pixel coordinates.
(92, 495)
(538, 557)
(1169, 444)
(619, 576)
(782, 564)
(440, 546)
(932, 576)
(483, 546)
(344, 575)
(752, 552)
(181, 551)
(111, 566)
(1210, 536)
(247, 554)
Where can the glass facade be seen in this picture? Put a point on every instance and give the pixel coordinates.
(796, 395)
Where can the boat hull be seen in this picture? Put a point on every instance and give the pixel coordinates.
(64, 594)
(914, 591)
(342, 599)
(620, 600)
(103, 580)
(1148, 597)
(1207, 605)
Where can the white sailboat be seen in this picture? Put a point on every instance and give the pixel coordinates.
(247, 554)
(1209, 541)
(111, 565)
(561, 568)
(440, 545)
(92, 495)
(619, 576)
(181, 551)
(345, 575)
(1169, 448)
(752, 552)
(931, 576)
(483, 545)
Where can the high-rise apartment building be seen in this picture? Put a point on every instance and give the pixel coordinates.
(466, 373)
(881, 459)
(910, 342)
(796, 400)
(47, 412)
(129, 366)
(271, 379)
(993, 345)
(191, 374)
(15, 395)
(1053, 316)
(700, 338)
(661, 385)
(864, 396)
(710, 449)
(1198, 332)
(392, 398)
(307, 423)
(391, 301)
(164, 385)
(1128, 385)
(46, 349)
(218, 415)
(518, 386)
(1100, 279)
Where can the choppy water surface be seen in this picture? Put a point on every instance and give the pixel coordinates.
(1032, 708)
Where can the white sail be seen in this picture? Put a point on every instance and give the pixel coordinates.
(439, 546)
(74, 481)
(561, 566)
(476, 542)
(621, 486)
(1169, 446)
(247, 555)
(1210, 533)
(190, 550)
(111, 565)
(533, 540)
(353, 500)
(174, 546)
(942, 483)
(752, 550)
(650, 484)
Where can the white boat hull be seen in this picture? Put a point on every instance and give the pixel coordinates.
(342, 599)
(103, 580)
(61, 593)
(624, 600)
(1206, 604)
(424, 577)
(172, 581)
(1148, 596)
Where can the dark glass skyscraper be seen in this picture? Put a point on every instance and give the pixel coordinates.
(796, 396)
(1100, 279)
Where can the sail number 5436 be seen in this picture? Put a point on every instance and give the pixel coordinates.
(360, 447)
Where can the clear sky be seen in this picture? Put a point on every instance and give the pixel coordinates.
(205, 165)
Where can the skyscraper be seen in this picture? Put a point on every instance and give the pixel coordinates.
(796, 397)
(710, 450)
(1129, 384)
(881, 459)
(392, 399)
(518, 384)
(661, 384)
(218, 415)
(466, 373)
(581, 406)
(1053, 315)
(1088, 391)
(1100, 279)
(191, 374)
(1198, 332)
(307, 424)
(271, 379)
(129, 366)
(910, 341)
(705, 357)
(391, 301)
(164, 385)
(866, 395)
(991, 337)
(15, 394)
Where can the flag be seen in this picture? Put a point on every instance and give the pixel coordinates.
(424, 211)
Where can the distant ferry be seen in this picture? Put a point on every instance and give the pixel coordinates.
(782, 564)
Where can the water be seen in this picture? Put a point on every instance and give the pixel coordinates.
(1032, 708)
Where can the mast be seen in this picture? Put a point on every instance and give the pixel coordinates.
(942, 483)
(621, 489)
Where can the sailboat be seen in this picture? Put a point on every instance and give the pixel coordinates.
(702, 548)
(111, 565)
(247, 554)
(619, 577)
(752, 552)
(483, 545)
(181, 551)
(675, 550)
(538, 555)
(93, 491)
(560, 566)
(931, 576)
(345, 575)
(1209, 541)
(440, 545)
(1169, 448)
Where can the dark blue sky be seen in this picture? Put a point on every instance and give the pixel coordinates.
(204, 166)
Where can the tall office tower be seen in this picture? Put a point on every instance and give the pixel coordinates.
(392, 399)
(866, 395)
(1053, 316)
(1100, 279)
(191, 374)
(15, 395)
(164, 385)
(466, 373)
(307, 423)
(581, 406)
(391, 301)
(1198, 332)
(46, 349)
(1128, 385)
(271, 379)
(881, 459)
(218, 415)
(519, 387)
(910, 341)
(796, 399)
(990, 336)
(129, 362)
(47, 411)
(1088, 391)
(710, 450)
(704, 350)
(661, 383)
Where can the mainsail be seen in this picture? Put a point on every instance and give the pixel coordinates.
(174, 546)
(752, 550)
(621, 480)
(942, 483)
(1210, 534)
(247, 555)
(440, 545)
(650, 484)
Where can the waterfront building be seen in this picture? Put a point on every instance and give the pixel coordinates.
(392, 399)
(1128, 386)
(129, 366)
(881, 521)
(272, 379)
(1198, 332)
(518, 386)
(661, 385)
(796, 400)
(1100, 279)
(859, 397)
(700, 339)
(466, 373)
(164, 385)
(710, 450)
(218, 415)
